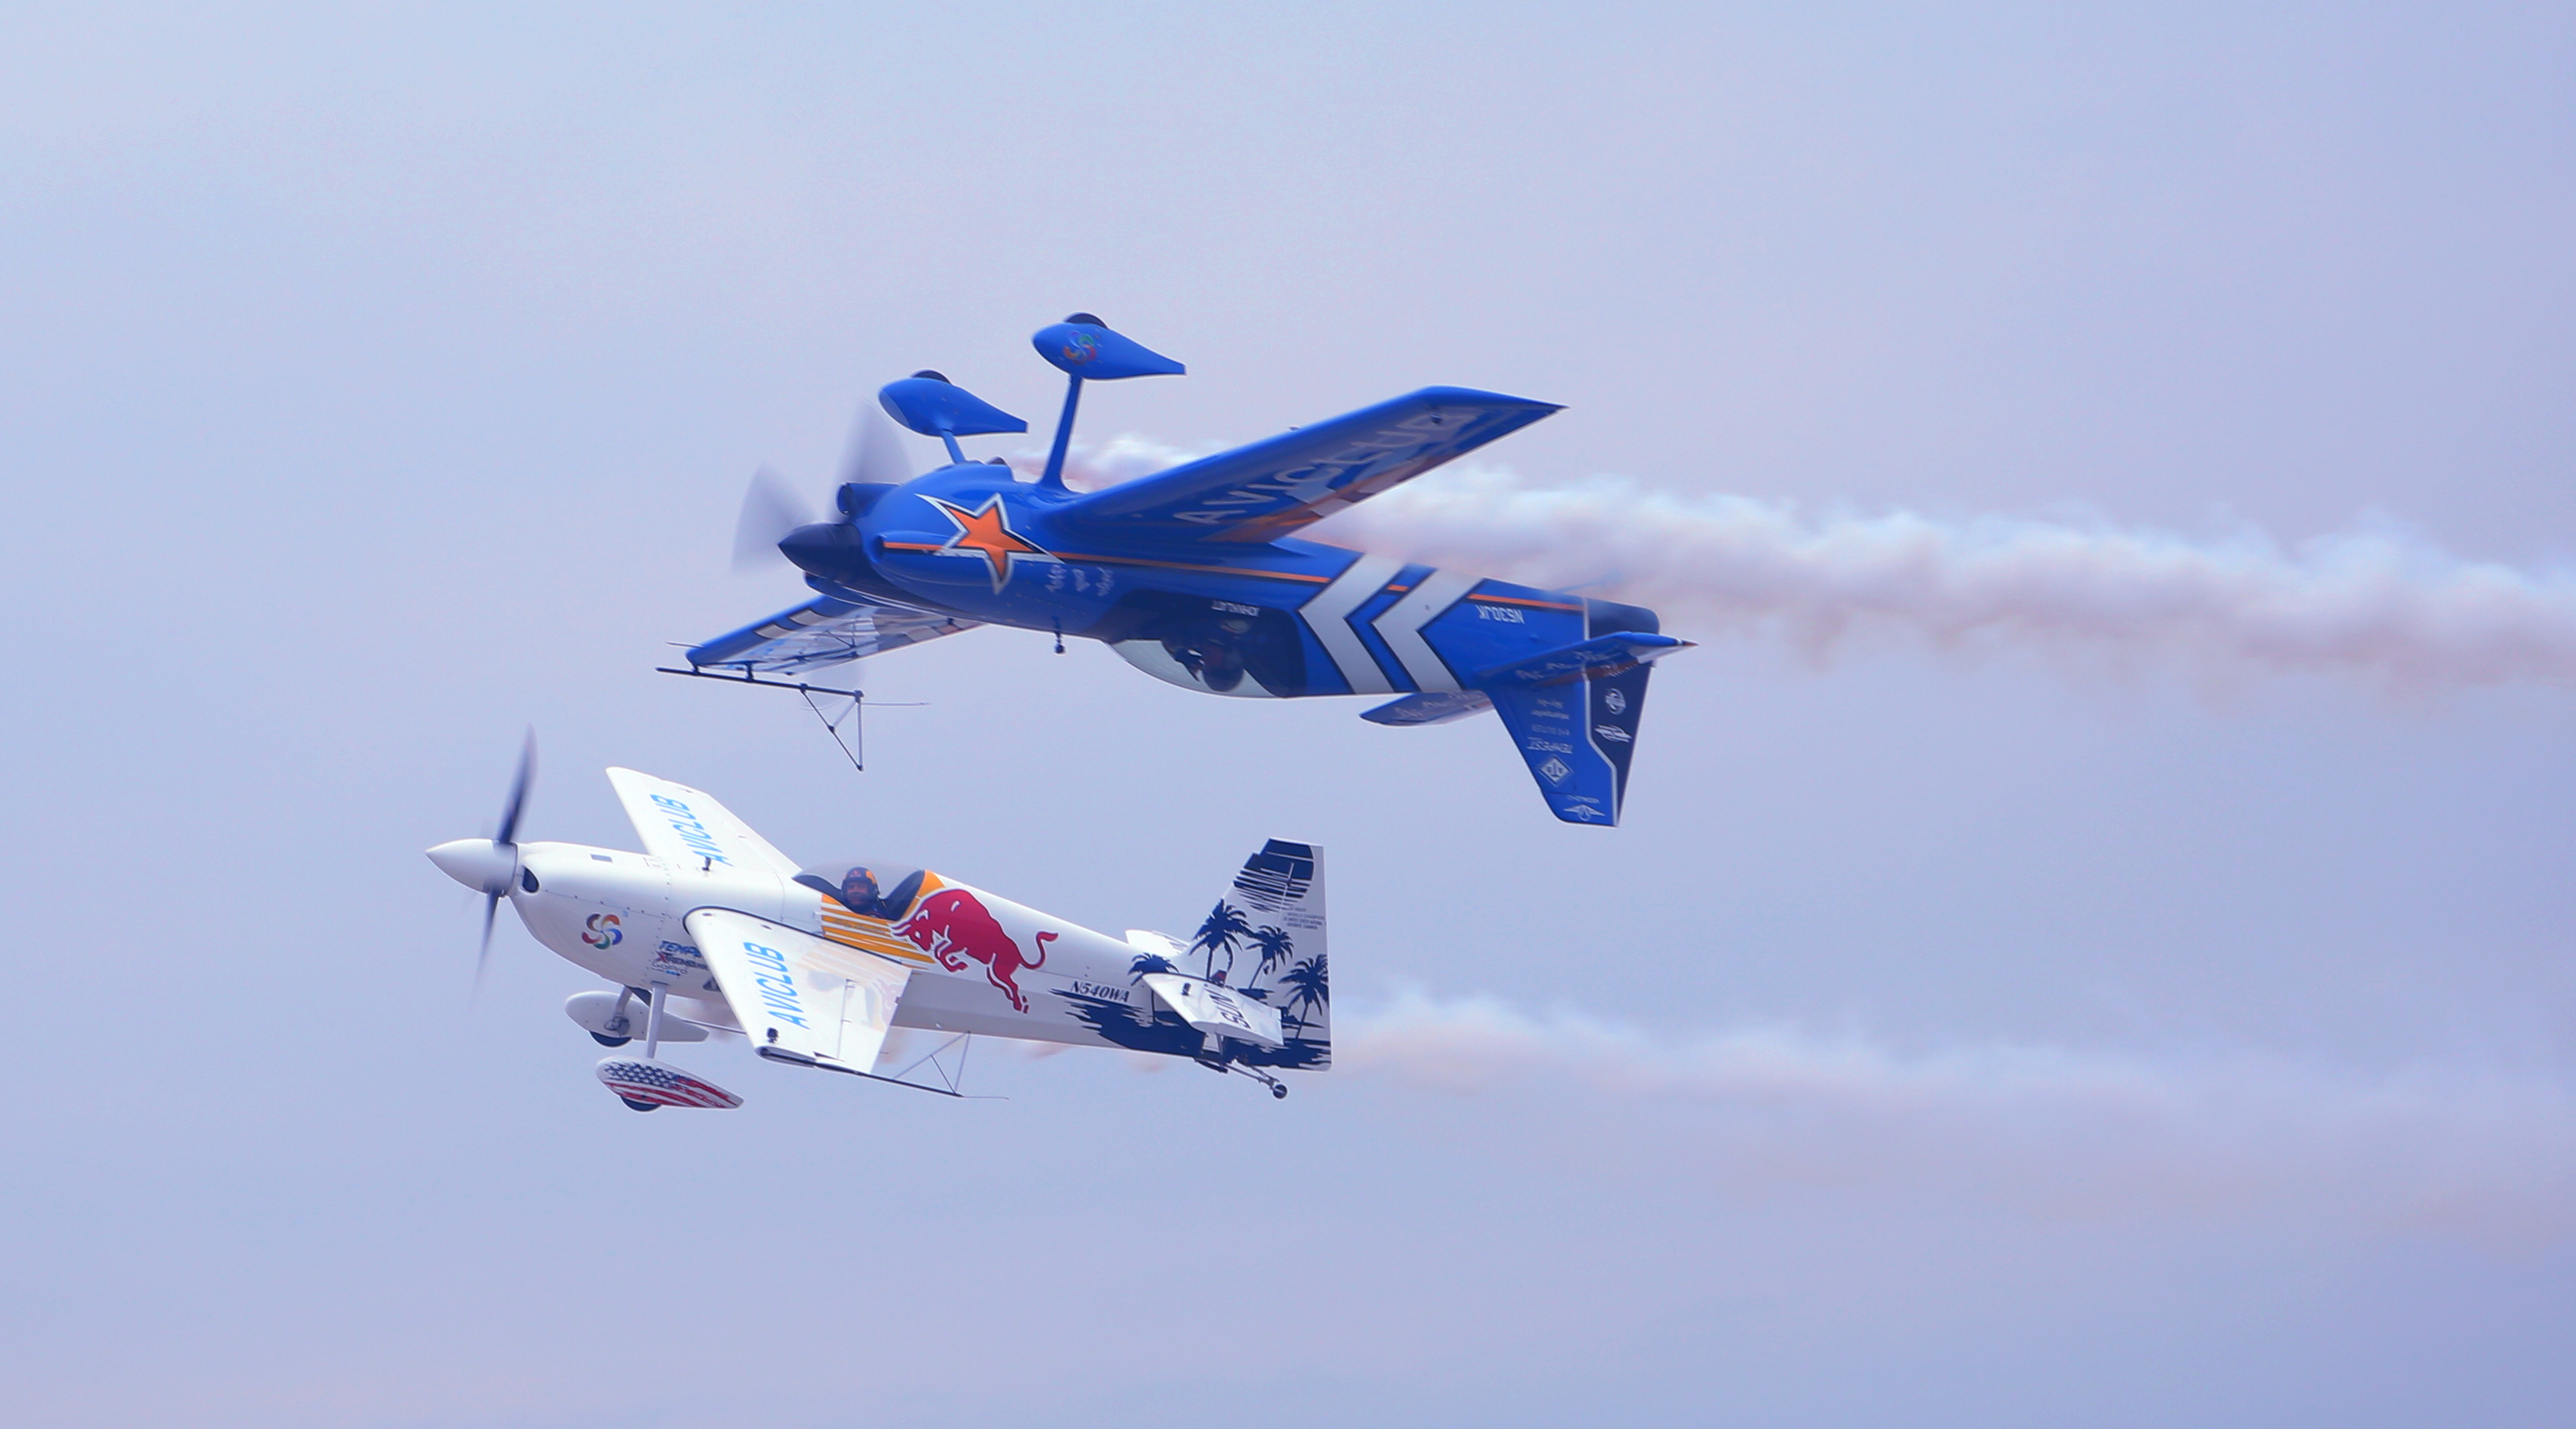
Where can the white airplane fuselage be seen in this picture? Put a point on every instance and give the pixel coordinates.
(621, 915)
(815, 963)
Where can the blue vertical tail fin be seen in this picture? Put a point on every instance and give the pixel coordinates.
(1573, 712)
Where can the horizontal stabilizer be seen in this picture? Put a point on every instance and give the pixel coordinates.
(1434, 707)
(1217, 1010)
(1594, 659)
(1269, 489)
(800, 998)
(823, 632)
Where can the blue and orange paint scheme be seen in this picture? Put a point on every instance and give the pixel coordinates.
(1196, 576)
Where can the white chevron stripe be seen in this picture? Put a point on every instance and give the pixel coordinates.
(1401, 627)
(1328, 615)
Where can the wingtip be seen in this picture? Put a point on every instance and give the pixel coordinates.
(1480, 397)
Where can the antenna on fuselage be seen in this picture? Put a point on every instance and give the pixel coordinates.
(1082, 346)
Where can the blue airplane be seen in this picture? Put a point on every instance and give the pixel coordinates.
(1195, 576)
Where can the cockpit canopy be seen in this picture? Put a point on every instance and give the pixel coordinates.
(869, 887)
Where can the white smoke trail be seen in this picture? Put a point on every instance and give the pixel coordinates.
(1122, 458)
(2031, 1125)
(2371, 598)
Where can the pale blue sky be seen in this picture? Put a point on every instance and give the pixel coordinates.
(374, 383)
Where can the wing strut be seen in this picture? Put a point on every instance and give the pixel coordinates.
(832, 724)
(853, 744)
(955, 1078)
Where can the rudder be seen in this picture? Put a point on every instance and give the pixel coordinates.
(1573, 712)
(1266, 937)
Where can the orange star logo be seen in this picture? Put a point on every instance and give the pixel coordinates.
(987, 532)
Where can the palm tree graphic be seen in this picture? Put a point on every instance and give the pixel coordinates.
(1144, 963)
(1307, 989)
(1225, 926)
(1274, 945)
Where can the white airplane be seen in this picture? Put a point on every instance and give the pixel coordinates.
(712, 929)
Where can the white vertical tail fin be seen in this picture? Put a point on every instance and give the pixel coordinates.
(1265, 937)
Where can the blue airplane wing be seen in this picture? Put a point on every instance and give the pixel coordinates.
(1264, 491)
(822, 632)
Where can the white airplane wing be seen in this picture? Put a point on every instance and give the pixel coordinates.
(685, 825)
(800, 997)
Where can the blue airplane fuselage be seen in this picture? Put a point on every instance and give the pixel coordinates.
(1196, 576)
(1230, 618)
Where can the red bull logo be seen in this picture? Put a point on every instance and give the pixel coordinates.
(952, 927)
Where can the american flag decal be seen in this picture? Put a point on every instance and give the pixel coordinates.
(661, 1084)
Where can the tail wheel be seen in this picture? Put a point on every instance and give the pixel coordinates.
(1279, 1092)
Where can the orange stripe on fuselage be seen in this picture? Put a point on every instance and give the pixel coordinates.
(1298, 576)
(1525, 600)
(874, 935)
(1254, 571)
(1400, 588)
(1101, 560)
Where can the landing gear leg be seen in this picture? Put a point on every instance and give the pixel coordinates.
(618, 1027)
(652, 1033)
(653, 1020)
(1278, 1088)
(1215, 1056)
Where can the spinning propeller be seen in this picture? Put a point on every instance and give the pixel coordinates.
(775, 521)
(772, 510)
(490, 866)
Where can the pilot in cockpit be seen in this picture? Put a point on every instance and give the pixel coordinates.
(858, 893)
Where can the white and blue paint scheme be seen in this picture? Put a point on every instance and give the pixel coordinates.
(711, 928)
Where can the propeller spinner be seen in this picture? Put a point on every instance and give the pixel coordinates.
(490, 866)
(773, 514)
